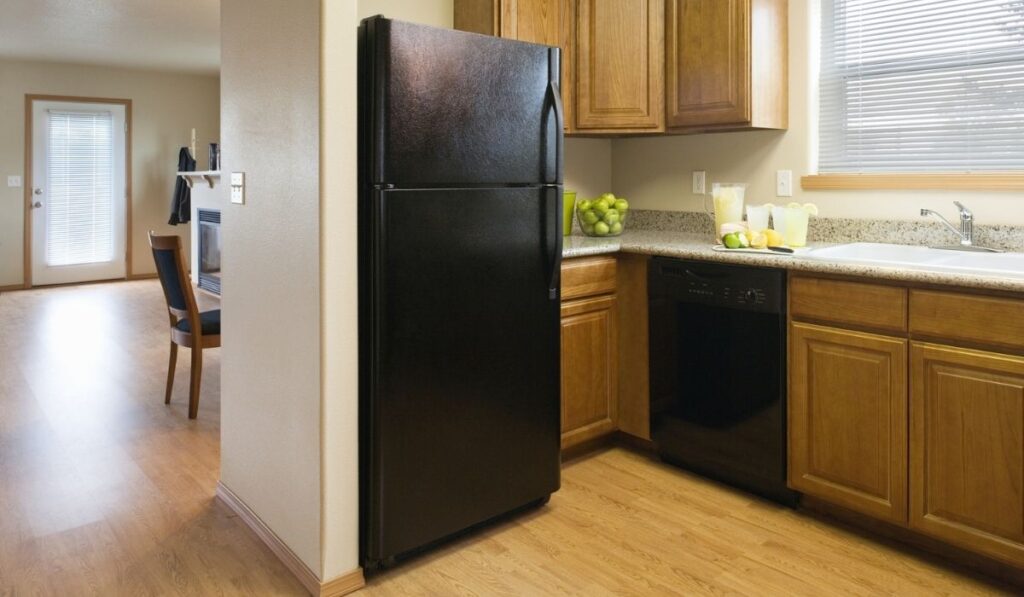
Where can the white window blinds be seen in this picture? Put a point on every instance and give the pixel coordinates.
(80, 187)
(922, 86)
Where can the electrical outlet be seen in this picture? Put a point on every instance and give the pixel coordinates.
(14, 181)
(238, 188)
(699, 178)
(784, 183)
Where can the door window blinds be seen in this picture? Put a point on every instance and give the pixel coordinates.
(80, 187)
(922, 86)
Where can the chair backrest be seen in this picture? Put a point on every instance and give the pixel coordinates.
(170, 268)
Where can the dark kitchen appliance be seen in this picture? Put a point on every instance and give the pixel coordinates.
(460, 232)
(718, 372)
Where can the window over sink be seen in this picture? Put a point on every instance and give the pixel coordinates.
(918, 93)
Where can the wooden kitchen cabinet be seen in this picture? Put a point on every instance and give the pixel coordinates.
(590, 349)
(548, 22)
(967, 448)
(619, 76)
(848, 419)
(589, 369)
(726, 65)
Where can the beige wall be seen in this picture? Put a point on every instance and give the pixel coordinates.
(270, 368)
(656, 173)
(428, 12)
(338, 228)
(588, 166)
(165, 107)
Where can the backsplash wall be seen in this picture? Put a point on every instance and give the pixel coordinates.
(655, 173)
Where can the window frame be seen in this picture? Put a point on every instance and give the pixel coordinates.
(1012, 180)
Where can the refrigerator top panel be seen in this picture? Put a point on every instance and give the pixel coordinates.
(448, 108)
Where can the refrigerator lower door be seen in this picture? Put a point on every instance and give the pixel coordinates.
(462, 410)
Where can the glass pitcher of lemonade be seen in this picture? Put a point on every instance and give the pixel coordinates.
(727, 198)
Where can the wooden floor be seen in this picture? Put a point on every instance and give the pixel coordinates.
(106, 491)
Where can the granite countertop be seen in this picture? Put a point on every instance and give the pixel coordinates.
(698, 246)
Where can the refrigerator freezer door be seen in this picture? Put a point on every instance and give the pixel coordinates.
(452, 108)
(463, 401)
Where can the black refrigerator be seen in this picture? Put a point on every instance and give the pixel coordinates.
(460, 241)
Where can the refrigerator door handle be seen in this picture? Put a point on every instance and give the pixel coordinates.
(556, 101)
(551, 197)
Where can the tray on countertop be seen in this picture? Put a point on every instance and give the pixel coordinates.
(796, 251)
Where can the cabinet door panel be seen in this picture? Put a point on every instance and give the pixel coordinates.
(589, 369)
(619, 78)
(848, 419)
(967, 449)
(707, 45)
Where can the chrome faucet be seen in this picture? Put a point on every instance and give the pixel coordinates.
(966, 231)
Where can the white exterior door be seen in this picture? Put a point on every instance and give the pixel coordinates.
(79, 193)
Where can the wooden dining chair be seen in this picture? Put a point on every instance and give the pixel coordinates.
(189, 327)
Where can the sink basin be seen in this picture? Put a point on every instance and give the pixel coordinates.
(961, 262)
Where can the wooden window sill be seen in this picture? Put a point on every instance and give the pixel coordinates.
(996, 181)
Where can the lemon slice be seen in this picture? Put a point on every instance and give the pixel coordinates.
(794, 205)
(769, 206)
(811, 209)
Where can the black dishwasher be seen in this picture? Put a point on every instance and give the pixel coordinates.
(718, 372)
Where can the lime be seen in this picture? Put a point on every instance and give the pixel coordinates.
(731, 240)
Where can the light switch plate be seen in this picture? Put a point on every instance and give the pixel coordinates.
(784, 183)
(14, 181)
(699, 178)
(238, 188)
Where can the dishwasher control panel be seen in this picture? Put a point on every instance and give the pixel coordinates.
(725, 285)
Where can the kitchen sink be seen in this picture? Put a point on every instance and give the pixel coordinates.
(946, 260)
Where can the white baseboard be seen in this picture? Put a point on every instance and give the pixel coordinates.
(341, 585)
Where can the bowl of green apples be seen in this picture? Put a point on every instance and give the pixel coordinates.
(603, 216)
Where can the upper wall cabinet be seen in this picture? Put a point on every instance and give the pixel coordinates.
(637, 67)
(548, 22)
(726, 65)
(619, 65)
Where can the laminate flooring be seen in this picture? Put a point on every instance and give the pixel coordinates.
(104, 490)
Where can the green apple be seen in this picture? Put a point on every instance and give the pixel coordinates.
(611, 217)
(609, 196)
(588, 229)
(583, 205)
(589, 217)
(600, 207)
(601, 229)
(621, 204)
(616, 228)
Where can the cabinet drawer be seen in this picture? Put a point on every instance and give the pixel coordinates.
(588, 276)
(852, 303)
(971, 318)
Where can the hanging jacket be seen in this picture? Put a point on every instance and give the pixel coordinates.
(181, 201)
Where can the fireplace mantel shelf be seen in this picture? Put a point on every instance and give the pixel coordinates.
(208, 175)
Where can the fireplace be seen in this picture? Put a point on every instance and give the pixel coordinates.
(209, 249)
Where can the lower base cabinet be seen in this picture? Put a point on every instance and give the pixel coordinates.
(589, 369)
(848, 419)
(967, 448)
(900, 422)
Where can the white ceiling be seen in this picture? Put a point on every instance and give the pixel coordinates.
(179, 35)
